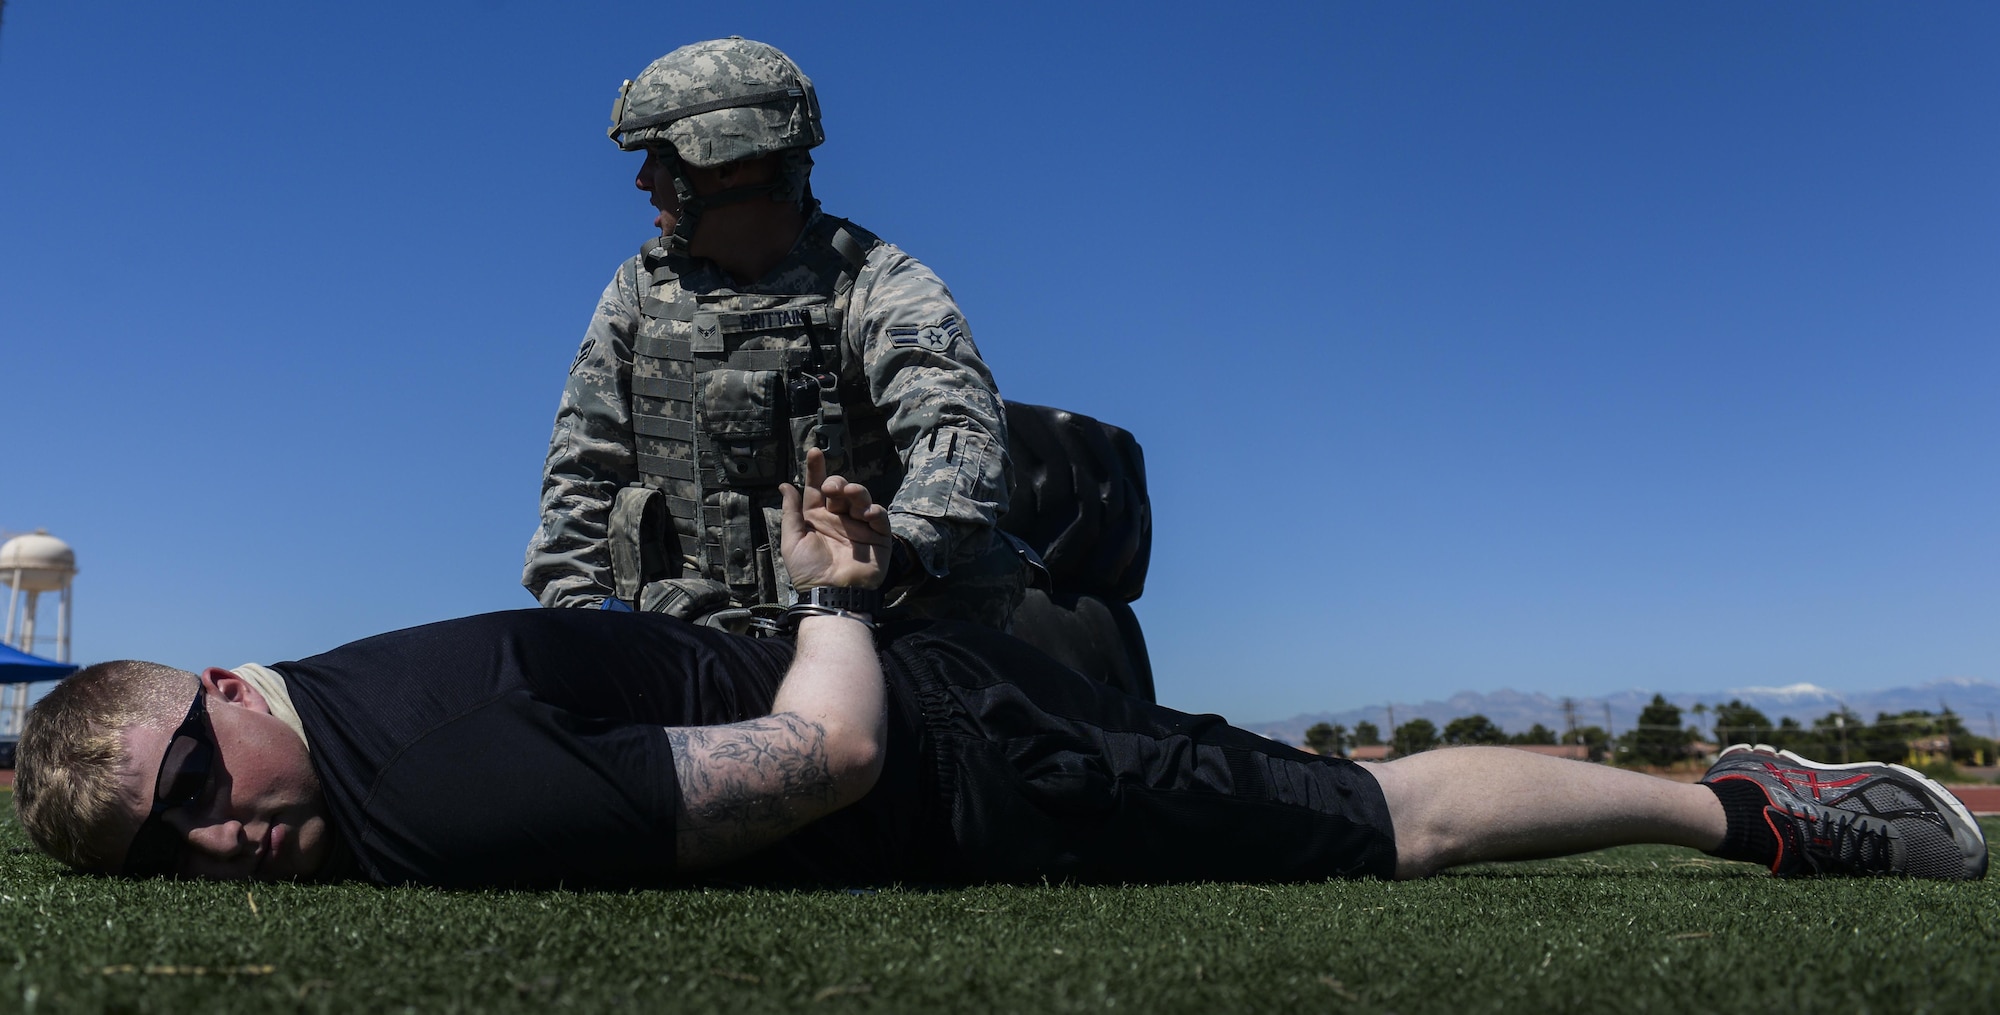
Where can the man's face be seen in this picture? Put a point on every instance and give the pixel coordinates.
(656, 178)
(261, 814)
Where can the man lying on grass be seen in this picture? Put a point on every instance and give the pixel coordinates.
(579, 748)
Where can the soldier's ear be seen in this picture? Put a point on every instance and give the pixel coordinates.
(226, 687)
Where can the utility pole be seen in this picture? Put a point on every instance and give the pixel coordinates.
(1569, 719)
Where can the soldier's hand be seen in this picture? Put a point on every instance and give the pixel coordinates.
(834, 532)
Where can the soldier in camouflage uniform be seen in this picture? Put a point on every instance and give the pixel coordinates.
(723, 351)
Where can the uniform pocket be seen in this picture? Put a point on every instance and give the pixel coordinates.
(953, 475)
(740, 410)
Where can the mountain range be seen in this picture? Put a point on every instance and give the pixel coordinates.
(1977, 702)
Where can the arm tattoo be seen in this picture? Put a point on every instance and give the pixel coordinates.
(746, 785)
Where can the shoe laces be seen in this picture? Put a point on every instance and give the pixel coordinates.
(1836, 841)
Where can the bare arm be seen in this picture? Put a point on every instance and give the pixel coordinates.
(746, 785)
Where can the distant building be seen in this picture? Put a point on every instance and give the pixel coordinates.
(1929, 751)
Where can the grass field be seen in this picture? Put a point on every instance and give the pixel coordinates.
(1639, 929)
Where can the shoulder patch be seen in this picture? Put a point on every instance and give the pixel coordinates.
(581, 353)
(936, 337)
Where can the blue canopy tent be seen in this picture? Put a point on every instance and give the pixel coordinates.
(18, 667)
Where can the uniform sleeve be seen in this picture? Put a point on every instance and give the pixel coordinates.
(944, 412)
(591, 457)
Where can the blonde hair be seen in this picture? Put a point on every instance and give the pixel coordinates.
(66, 768)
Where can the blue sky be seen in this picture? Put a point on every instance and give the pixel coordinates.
(1566, 347)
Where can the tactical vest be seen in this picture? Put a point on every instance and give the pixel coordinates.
(729, 389)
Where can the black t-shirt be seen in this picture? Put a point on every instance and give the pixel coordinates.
(527, 748)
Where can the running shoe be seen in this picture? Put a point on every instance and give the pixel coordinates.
(1865, 818)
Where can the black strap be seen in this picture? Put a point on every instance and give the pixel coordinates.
(750, 359)
(663, 347)
(657, 119)
(663, 426)
(672, 468)
(653, 258)
(693, 207)
(664, 387)
(664, 310)
(850, 249)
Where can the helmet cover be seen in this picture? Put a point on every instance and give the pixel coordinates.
(719, 101)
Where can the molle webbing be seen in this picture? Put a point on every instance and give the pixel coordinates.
(664, 387)
(716, 413)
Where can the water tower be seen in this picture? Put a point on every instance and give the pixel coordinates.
(34, 564)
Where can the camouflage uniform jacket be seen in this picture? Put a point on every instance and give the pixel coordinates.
(925, 431)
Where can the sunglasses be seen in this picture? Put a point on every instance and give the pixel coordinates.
(184, 773)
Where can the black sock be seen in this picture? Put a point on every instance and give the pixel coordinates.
(1749, 835)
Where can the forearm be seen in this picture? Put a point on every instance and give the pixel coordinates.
(836, 681)
(746, 785)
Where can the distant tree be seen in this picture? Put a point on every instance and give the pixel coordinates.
(1840, 734)
(1659, 738)
(1737, 723)
(1967, 747)
(1949, 725)
(1473, 729)
(1789, 735)
(1889, 738)
(1592, 737)
(1414, 736)
(1700, 714)
(1367, 734)
(1972, 749)
(1537, 734)
(1326, 738)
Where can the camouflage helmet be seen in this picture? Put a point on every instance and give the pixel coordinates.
(719, 101)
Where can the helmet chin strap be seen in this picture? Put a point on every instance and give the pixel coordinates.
(681, 239)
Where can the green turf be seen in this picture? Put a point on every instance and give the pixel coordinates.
(1642, 929)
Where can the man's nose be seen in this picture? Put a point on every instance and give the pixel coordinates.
(219, 839)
